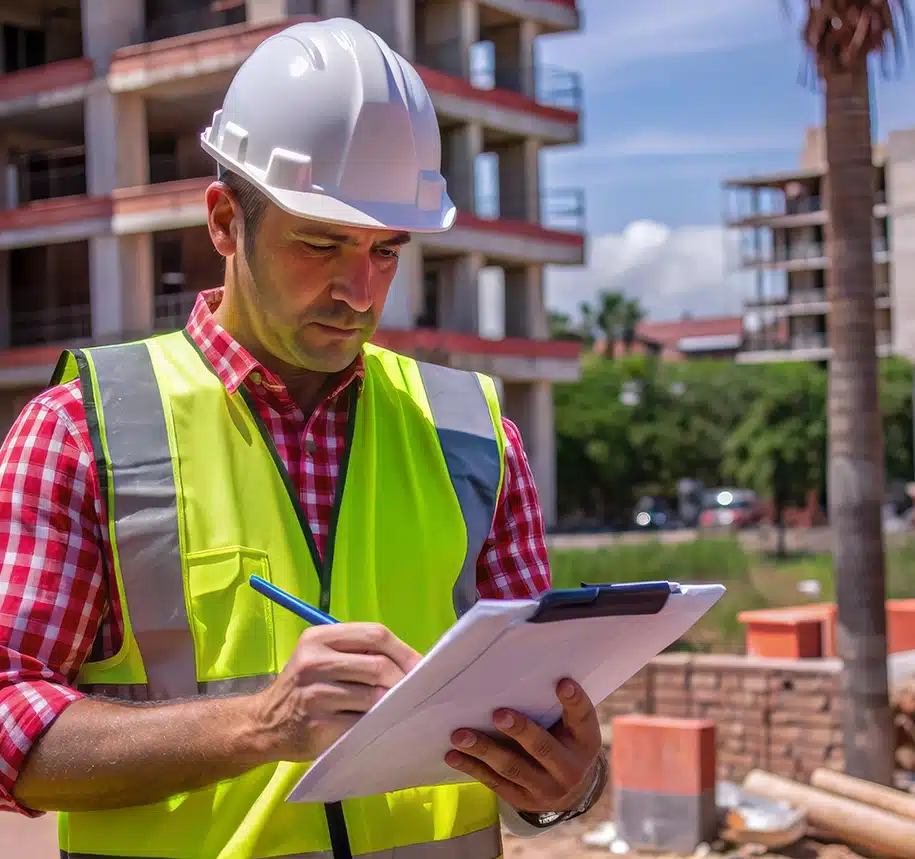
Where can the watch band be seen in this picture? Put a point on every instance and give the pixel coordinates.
(546, 819)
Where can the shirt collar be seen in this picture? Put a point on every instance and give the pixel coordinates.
(232, 363)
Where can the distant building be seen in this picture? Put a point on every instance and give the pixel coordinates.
(782, 220)
(686, 339)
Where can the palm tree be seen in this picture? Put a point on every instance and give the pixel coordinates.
(841, 36)
(608, 320)
(631, 314)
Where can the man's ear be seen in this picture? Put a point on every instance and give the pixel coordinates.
(223, 214)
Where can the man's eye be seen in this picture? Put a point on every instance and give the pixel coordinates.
(389, 253)
(318, 248)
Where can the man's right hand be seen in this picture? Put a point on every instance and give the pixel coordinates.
(336, 674)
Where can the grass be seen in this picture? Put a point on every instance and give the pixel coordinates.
(754, 580)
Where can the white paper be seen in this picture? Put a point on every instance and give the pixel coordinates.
(489, 659)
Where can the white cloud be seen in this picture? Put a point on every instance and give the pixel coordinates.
(670, 271)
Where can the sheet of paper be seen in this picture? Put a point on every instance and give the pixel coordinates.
(490, 658)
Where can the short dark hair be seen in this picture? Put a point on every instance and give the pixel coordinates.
(252, 204)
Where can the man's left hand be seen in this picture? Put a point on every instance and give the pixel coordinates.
(534, 769)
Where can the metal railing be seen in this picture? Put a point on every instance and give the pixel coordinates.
(560, 208)
(811, 340)
(189, 21)
(50, 325)
(807, 296)
(548, 85)
(171, 311)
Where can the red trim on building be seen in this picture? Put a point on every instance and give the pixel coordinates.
(437, 81)
(193, 47)
(63, 73)
(29, 356)
(524, 229)
(54, 212)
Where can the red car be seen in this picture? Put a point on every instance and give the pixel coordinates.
(730, 508)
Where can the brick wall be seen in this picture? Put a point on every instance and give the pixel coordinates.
(781, 715)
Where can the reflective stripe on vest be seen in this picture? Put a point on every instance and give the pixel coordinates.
(483, 844)
(145, 508)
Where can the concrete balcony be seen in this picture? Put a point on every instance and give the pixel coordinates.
(809, 302)
(179, 204)
(554, 16)
(812, 346)
(64, 82)
(511, 359)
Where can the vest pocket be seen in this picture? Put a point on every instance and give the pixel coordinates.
(231, 623)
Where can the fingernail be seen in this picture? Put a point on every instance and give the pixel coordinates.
(504, 719)
(465, 739)
(567, 689)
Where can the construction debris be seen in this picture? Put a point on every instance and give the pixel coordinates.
(858, 824)
(748, 819)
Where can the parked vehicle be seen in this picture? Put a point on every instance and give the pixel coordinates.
(730, 508)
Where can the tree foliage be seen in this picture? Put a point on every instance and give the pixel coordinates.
(762, 426)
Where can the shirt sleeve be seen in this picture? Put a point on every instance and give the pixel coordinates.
(514, 563)
(52, 595)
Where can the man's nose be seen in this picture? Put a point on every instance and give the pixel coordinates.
(354, 285)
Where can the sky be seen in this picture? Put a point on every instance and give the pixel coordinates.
(679, 95)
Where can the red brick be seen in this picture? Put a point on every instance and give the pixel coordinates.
(663, 755)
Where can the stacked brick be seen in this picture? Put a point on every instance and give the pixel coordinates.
(780, 715)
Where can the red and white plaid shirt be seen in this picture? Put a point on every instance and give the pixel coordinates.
(56, 607)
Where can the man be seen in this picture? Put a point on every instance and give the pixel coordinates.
(149, 693)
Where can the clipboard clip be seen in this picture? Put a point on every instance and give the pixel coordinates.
(616, 600)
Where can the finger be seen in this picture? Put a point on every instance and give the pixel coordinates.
(540, 744)
(329, 699)
(499, 785)
(368, 638)
(511, 764)
(325, 664)
(579, 716)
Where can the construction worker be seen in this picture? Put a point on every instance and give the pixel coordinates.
(148, 693)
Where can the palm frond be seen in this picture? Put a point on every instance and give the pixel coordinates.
(842, 34)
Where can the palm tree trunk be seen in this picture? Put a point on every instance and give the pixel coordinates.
(856, 480)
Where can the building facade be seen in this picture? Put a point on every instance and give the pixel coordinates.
(102, 218)
(781, 220)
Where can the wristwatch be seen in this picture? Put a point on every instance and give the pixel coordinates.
(546, 819)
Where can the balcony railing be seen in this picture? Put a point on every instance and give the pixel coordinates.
(811, 340)
(172, 310)
(807, 296)
(50, 325)
(560, 208)
(189, 21)
(547, 85)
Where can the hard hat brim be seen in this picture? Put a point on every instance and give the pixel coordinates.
(400, 217)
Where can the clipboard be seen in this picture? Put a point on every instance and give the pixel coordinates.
(503, 653)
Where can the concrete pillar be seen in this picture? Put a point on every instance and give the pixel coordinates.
(445, 32)
(109, 25)
(514, 56)
(390, 19)
(6, 307)
(525, 312)
(519, 181)
(404, 297)
(900, 188)
(530, 406)
(460, 147)
(460, 307)
(117, 141)
(335, 8)
(121, 270)
(261, 11)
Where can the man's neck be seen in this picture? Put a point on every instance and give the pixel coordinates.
(305, 387)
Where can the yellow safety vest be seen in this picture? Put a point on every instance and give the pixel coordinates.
(198, 501)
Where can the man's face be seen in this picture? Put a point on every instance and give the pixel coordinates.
(314, 292)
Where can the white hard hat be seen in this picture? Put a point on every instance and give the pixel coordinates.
(331, 124)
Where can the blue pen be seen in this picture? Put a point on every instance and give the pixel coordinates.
(288, 601)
